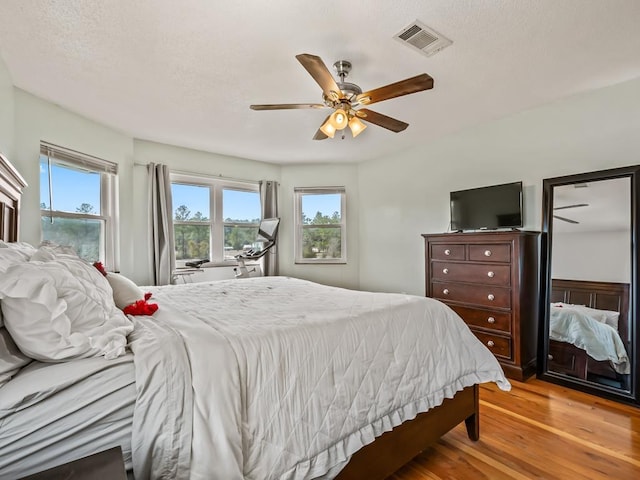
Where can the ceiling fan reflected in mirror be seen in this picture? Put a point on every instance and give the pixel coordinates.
(568, 220)
(345, 98)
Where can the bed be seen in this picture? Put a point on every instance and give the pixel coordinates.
(589, 330)
(270, 377)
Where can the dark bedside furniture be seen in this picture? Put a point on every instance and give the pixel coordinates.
(491, 280)
(106, 465)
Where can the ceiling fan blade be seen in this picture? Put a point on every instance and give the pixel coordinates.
(404, 87)
(565, 219)
(286, 106)
(381, 120)
(320, 73)
(320, 135)
(572, 206)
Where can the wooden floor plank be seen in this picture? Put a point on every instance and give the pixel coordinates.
(538, 430)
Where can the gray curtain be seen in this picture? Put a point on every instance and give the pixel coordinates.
(161, 224)
(269, 207)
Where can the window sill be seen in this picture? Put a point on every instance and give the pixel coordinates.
(321, 262)
(227, 264)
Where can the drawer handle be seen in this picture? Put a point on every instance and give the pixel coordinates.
(445, 270)
(447, 252)
(491, 296)
(550, 357)
(487, 253)
(490, 343)
(446, 291)
(490, 274)
(491, 320)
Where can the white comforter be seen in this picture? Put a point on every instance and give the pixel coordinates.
(289, 378)
(599, 340)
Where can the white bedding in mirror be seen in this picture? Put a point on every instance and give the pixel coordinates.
(578, 326)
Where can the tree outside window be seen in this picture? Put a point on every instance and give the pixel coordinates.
(214, 219)
(75, 209)
(320, 225)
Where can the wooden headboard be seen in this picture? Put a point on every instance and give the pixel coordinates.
(601, 295)
(11, 185)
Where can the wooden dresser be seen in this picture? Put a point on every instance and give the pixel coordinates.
(491, 279)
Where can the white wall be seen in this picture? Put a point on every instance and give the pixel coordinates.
(190, 161)
(390, 201)
(333, 175)
(6, 112)
(36, 120)
(406, 195)
(597, 256)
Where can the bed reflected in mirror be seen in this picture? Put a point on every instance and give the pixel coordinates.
(588, 337)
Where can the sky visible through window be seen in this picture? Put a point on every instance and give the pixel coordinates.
(196, 198)
(72, 188)
(326, 204)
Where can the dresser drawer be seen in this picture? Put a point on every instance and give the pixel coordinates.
(486, 274)
(490, 252)
(499, 346)
(487, 296)
(499, 321)
(443, 251)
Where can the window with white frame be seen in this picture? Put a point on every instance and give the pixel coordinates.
(78, 203)
(320, 225)
(213, 218)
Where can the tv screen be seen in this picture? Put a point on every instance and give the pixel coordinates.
(487, 208)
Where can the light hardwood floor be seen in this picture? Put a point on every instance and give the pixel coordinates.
(538, 430)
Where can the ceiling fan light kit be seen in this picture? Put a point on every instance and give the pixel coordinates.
(339, 120)
(356, 126)
(343, 97)
(328, 129)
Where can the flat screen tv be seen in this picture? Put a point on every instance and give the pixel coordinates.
(487, 208)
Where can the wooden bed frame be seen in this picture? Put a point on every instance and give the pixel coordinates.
(571, 360)
(375, 461)
(11, 185)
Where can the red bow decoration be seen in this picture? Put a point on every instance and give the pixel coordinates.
(141, 307)
(100, 268)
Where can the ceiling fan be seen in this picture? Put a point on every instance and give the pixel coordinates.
(564, 219)
(344, 98)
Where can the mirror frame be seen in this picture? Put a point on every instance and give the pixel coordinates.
(632, 395)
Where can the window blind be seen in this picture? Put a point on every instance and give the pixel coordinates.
(319, 190)
(77, 158)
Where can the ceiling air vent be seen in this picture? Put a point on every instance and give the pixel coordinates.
(422, 38)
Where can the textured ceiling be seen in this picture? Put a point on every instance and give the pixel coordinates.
(185, 72)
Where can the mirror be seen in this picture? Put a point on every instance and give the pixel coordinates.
(589, 332)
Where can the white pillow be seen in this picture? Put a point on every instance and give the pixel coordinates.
(603, 316)
(609, 317)
(10, 257)
(125, 291)
(76, 265)
(56, 248)
(23, 247)
(11, 358)
(62, 309)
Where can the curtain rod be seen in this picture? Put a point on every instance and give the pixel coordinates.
(208, 175)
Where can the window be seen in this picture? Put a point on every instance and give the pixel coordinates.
(212, 218)
(320, 233)
(78, 203)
